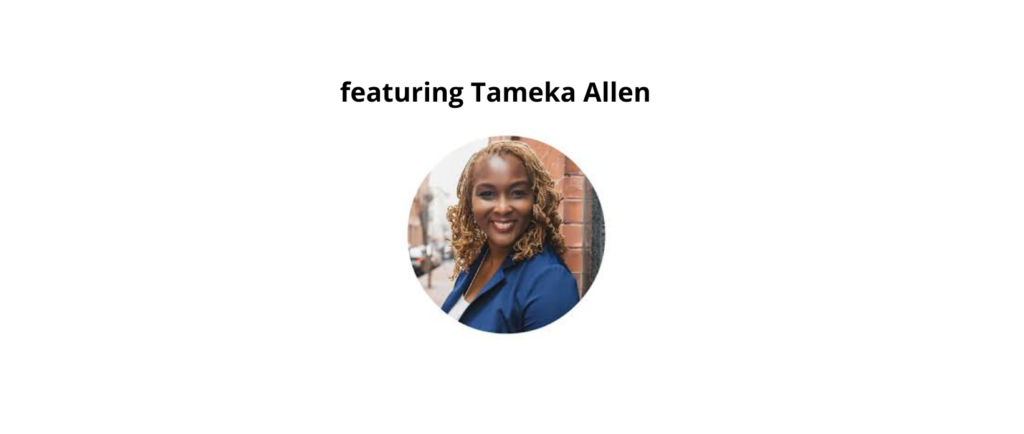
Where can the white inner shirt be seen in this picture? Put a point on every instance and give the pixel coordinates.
(459, 308)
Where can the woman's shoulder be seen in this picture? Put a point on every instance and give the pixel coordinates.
(547, 267)
(546, 258)
(547, 290)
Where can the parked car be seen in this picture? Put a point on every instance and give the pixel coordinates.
(419, 255)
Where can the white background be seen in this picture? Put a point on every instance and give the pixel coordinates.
(815, 225)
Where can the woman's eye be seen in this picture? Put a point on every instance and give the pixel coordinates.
(519, 193)
(486, 194)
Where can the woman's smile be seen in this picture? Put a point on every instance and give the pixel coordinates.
(503, 226)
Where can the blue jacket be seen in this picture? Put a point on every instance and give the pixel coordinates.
(520, 297)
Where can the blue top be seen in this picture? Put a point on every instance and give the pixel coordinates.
(520, 296)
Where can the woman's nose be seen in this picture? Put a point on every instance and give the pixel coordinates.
(503, 206)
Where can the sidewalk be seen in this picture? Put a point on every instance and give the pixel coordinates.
(439, 279)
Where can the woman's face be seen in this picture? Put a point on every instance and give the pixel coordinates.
(502, 199)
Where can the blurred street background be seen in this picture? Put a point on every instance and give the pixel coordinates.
(440, 286)
(430, 234)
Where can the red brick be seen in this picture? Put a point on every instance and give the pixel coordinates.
(573, 211)
(555, 163)
(541, 149)
(573, 234)
(571, 168)
(572, 187)
(574, 260)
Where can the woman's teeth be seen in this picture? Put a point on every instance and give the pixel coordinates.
(503, 226)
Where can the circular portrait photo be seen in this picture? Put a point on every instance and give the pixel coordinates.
(506, 235)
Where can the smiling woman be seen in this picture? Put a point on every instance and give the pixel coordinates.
(509, 252)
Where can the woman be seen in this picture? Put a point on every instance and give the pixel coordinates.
(506, 233)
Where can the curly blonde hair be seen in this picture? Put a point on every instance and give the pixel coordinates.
(468, 239)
